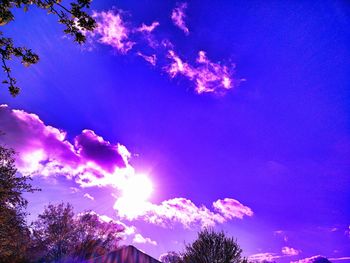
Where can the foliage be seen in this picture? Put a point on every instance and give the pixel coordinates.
(58, 235)
(171, 257)
(74, 19)
(53, 232)
(95, 236)
(213, 247)
(14, 234)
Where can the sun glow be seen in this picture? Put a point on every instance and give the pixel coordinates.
(138, 187)
(135, 192)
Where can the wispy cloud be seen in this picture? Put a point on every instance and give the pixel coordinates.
(282, 234)
(272, 257)
(112, 30)
(289, 251)
(347, 259)
(138, 238)
(88, 196)
(264, 257)
(148, 29)
(74, 190)
(312, 259)
(178, 16)
(152, 59)
(206, 75)
(183, 211)
(115, 30)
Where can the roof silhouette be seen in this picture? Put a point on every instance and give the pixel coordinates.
(127, 254)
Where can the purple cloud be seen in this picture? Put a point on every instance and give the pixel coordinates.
(112, 30)
(289, 251)
(139, 239)
(231, 208)
(206, 75)
(92, 147)
(314, 259)
(93, 161)
(88, 196)
(178, 17)
(148, 29)
(126, 38)
(44, 150)
(150, 59)
(183, 211)
(264, 257)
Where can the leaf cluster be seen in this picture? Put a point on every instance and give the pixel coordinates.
(58, 235)
(213, 247)
(14, 233)
(74, 18)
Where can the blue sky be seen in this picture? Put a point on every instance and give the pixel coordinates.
(278, 141)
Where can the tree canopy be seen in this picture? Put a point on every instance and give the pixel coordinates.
(59, 235)
(213, 247)
(74, 19)
(14, 233)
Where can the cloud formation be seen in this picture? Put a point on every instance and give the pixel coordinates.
(139, 239)
(231, 208)
(272, 257)
(313, 259)
(128, 39)
(44, 150)
(184, 212)
(289, 251)
(112, 30)
(88, 196)
(264, 257)
(178, 17)
(207, 76)
(90, 160)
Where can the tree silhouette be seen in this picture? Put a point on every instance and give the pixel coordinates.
(74, 19)
(171, 257)
(95, 237)
(213, 247)
(14, 234)
(61, 236)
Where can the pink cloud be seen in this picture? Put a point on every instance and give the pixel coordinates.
(264, 257)
(112, 30)
(148, 29)
(312, 259)
(44, 150)
(206, 75)
(231, 208)
(93, 161)
(178, 17)
(150, 59)
(347, 259)
(88, 196)
(138, 238)
(184, 212)
(282, 234)
(289, 251)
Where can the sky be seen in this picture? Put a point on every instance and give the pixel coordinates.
(179, 115)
